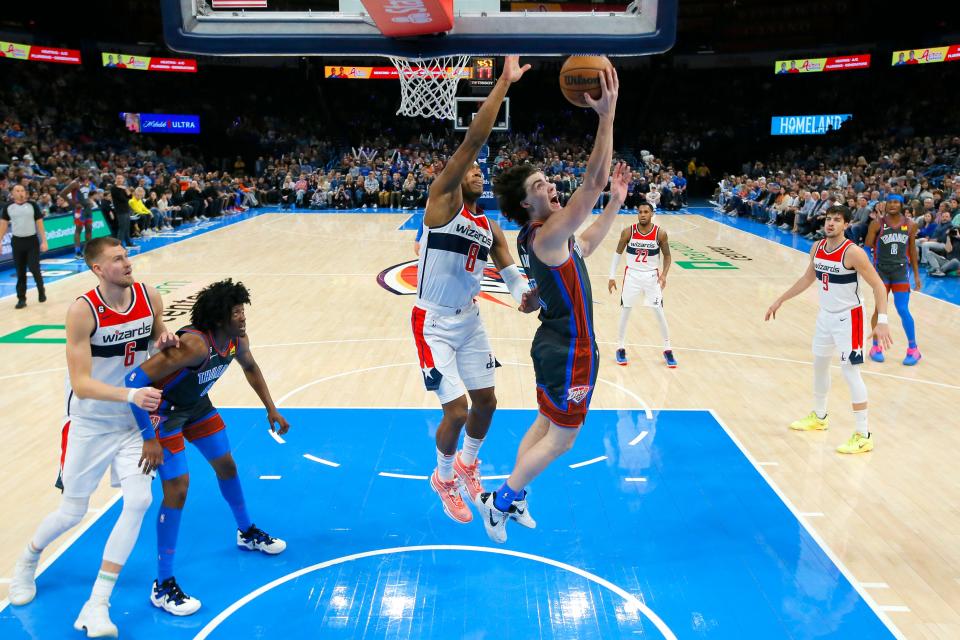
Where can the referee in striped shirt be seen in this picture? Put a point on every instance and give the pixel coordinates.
(29, 240)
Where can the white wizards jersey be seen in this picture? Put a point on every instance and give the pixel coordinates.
(118, 344)
(839, 290)
(643, 250)
(452, 260)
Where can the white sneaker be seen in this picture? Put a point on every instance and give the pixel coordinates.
(170, 597)
(254, 539)
(95, 619)
(522, 515)
(494, 520)
(23, 585)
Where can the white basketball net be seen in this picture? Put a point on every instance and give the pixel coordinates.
(428, 85)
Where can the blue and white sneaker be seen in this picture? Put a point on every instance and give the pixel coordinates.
(520, 513)
(168, 596)
(622, 357)
(254, 539)
(671, 361)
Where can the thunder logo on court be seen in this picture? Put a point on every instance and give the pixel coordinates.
(401, 279)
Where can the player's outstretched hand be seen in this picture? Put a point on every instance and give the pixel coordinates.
(611, 285)
(274, 418)
(512, 70)
(152, 456)
(882, 334)
(530, 301)
(772, 311)
(147, 398)
(619, 182)
(166, 340)
(606, 105)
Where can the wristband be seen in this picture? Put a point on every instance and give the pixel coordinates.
(130, 395)
(882, 318)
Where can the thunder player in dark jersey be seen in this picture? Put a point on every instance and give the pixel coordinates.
(77, 194)
(564, 350)
(216, 336)
(893, 239)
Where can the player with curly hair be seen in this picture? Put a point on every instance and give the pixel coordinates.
(216, 336)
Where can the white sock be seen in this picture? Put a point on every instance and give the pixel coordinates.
(821, 385)
(664, 331)
(103, 586)
(860, 417)
(622, 336)
(471, 447)
(444, 466)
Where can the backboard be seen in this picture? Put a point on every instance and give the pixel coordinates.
(466, 109)
(482, 27)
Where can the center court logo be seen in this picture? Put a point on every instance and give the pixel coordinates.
(401, 279)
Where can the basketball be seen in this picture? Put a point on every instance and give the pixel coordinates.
(581, 74)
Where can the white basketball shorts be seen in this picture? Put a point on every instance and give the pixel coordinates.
(453, 351)
(641, 283)
(841, 332)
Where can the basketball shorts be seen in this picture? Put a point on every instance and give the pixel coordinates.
(566, 373)
(454, 352)
(641, 285)
(841, 332)
(894, 278)
(82, 218)
(186, 424)
(86, 455)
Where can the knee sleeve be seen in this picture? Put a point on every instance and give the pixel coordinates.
(136, 500)
(858, 390)
(67, 516)
(137, 494)
(72, 510)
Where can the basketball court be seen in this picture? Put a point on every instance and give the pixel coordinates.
(687, 509)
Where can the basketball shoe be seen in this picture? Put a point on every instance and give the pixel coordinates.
(254, 539)
(671, 361)
(858, 443)
(168, 596)
(913, 357)
(450, 498)
(23, 585)
(469, 477)
(520, 513)
(622, 357)
(810, 423)
(876, 354)
(494, 520)
(95, 619)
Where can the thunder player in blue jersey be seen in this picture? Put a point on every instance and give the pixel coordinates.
(216, 336)
(564, 349)
(893, 239)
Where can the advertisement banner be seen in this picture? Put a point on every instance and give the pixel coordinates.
(33, 53)
(146, 63)
(161, 122)
(925, 56)
(60, 232)
(807, 125)
(376, 73)
(818, 65)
